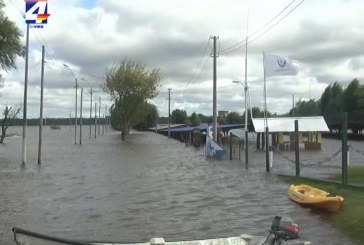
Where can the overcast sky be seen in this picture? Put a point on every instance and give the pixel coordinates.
(325, 36)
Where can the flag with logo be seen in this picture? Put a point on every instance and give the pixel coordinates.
(275, 65)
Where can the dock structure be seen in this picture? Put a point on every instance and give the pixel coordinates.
(281, 130)
(195, 135)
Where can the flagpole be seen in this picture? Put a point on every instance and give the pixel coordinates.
(266, 119)
(246, 89)
(265, 96)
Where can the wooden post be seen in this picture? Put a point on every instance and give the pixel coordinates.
(95, 118)
(297, 150)
(91, 112)
(231, 146)
(344, 147)
(81, 117)
(267, 149)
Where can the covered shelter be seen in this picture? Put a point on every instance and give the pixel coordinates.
(282, 131)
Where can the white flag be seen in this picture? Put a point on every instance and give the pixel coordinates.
(275, 65)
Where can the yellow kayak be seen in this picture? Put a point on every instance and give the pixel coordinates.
(308, 195)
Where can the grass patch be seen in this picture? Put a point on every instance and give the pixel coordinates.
(350, 220)
(355, 175)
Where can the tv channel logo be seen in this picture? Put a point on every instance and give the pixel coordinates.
(36, 12)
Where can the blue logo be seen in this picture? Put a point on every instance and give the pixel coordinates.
(36, 12)
(282, 62)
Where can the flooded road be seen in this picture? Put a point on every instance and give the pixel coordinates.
(149, 186)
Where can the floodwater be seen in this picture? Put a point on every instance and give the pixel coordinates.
(149, 186)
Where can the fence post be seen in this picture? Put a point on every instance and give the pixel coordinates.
(344, 148)
(296, 147)
(348, 155)
(271, 156)
(266, 149)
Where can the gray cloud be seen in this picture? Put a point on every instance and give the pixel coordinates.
(171, 36)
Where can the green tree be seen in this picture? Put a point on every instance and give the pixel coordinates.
(330, 102)
(205, 119)
(179, 116)
(10, 45)
(306, 108)
(149, 118)
(350, 96)
(331, 97)
(194, 119)
(360, 95)
(258, 113)
(130, 86)
(234, 118)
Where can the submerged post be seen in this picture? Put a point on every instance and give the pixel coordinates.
(231, 146)
(296, 147)
(267, 149)
(344, 148)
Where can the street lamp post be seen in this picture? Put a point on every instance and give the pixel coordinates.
(246, 119)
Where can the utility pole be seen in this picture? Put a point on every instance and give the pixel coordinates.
(81, 117)
(99, 115)
(169, 113)
(292, 105)
(41, 110)
(95, 118)
(90, 111)
(104, 125)
(214, 113)
(24, 143)
(76, 86)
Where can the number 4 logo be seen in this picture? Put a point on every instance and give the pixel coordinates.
(36, 12)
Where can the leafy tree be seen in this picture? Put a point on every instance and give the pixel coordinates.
(360, 95)
(179, 116)
(150, 118)
(130, 86)
(350, 96)
(205, 119)
(115, 118)
(257, 113)
(331, 98)
(10, 44)
(234, 118)
(194, 119)
(306, 108)
(9, 115)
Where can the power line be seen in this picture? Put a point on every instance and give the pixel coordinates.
(266, 24)
(242, 43)
(191, 81)
(207, 59)
(15, 4)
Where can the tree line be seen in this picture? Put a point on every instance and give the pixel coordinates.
(333, 102)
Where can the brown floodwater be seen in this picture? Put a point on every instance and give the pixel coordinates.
(151, 186)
